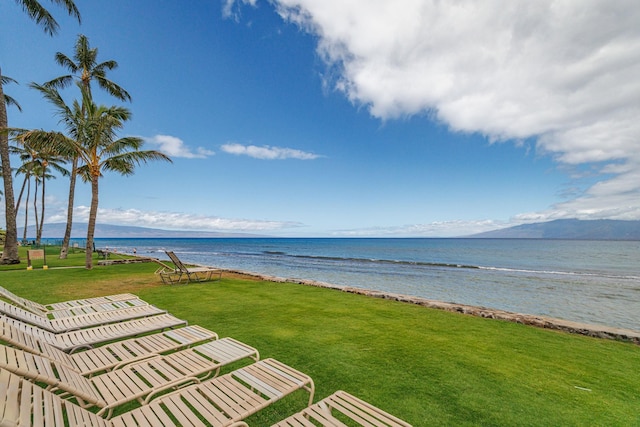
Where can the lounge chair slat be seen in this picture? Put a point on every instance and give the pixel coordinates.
(90, 301)
(236, 400)
(204, 407)
(182, 413)
(10, 411)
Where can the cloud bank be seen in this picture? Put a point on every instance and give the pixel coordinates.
(176, 221)
(267, 153)
(566, 74)
(175, 147)
(434, 229)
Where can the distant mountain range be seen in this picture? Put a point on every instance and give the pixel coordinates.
(602, 229)
(79, 231)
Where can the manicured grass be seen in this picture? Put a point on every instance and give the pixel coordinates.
(426, 366)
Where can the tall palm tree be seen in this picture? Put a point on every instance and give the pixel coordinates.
(10, 251)
(68, 145)
(42, 17)
(42, 178)
(102, 151)
(27, 157)
(85, 69)
(40, 152)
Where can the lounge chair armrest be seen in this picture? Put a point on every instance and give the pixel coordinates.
(174, 384)
(135, 360)
(80, 347)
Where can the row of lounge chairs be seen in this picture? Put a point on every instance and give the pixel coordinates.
(70, 323)
(74, 307)
(169, 369)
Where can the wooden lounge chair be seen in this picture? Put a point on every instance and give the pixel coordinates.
(81, 321)
(137, 381)
(45, 309)
(73, 341)
(339, 407)
(112, 355)
(188, 274)
(221, 401)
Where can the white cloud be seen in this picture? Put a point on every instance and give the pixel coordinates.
(175, 147)
(180, 221)
(229, 11)
(565, 73)
(267, 152)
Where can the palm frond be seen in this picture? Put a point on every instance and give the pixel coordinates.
(6, 80)
(66, 62)
(113, 89)
(72, 10)
(42, 17)
(60, 82)
(106, 65)
(125, 163)
(8, 100)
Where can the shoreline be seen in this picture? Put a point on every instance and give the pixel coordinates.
(544, 322)
(539, 321)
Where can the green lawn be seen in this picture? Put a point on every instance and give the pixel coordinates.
(426, 366)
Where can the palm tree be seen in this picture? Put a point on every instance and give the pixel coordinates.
(42, 178)
(38, 156)
(101, 151)
(42, 17)
(84, 68)
(27, 156)
(10, 251)
(68, 145)
(40, 152)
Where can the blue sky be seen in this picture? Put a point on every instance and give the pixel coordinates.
(354, 118)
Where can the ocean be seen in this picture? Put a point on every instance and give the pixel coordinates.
(595, 282)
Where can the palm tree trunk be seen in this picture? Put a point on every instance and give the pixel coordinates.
(26, 212)
(72, 190)
(24, 183)
(91, 228)
(35, 210)
(39, 236)
(10, 251)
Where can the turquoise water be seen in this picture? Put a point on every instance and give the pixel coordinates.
(594, 282)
